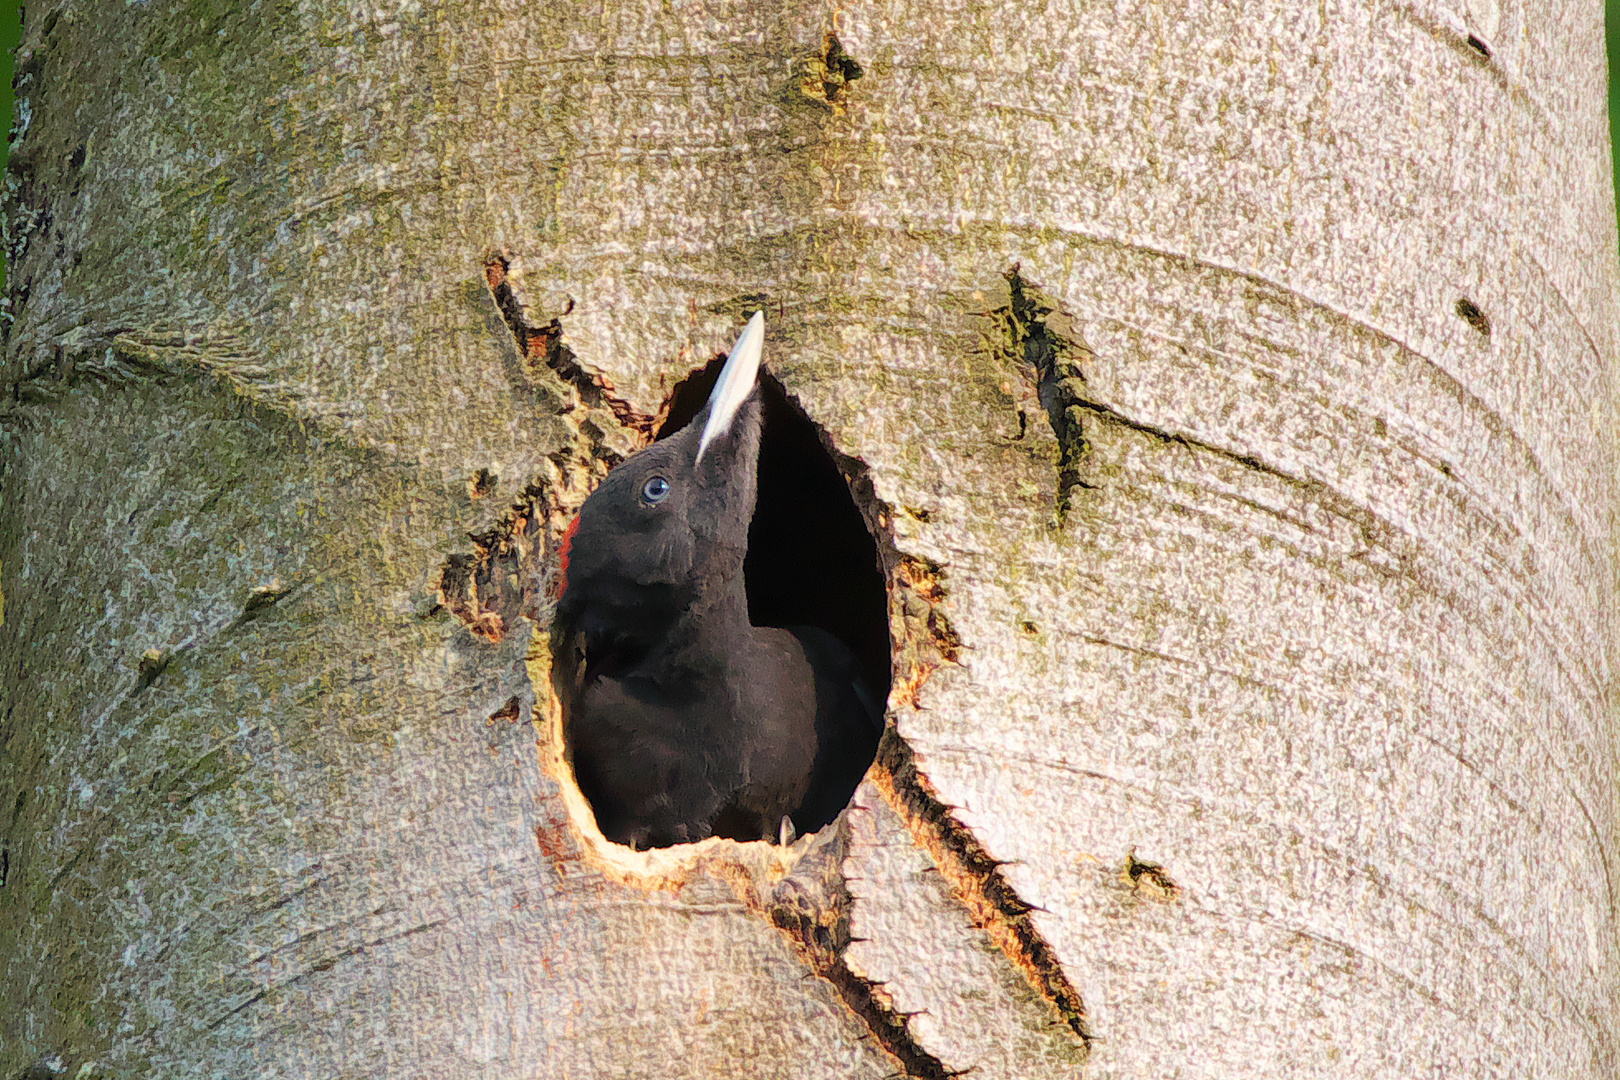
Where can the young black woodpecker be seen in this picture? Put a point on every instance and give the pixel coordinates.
(682, 719)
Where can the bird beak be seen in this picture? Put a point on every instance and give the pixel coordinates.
(736, 381)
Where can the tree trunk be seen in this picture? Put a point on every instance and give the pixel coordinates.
(1230, 394)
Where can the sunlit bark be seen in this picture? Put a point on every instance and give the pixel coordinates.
(1230, 389)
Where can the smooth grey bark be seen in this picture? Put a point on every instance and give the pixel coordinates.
(1232, 389)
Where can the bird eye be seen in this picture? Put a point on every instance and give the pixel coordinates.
(654, 489)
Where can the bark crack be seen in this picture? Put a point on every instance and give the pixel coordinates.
(543, 345)
(1248, 461)
(505, 577)
(924, 639)
(825, 78)
(499, 582)
(1047, 350)
(325, 964)
(976, 880)
(811, 908)
(1471, 313)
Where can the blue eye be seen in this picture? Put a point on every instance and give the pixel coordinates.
(654, 489)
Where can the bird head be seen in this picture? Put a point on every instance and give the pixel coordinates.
(669, 526)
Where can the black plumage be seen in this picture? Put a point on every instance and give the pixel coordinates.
(682, 719)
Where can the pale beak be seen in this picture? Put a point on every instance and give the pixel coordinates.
(736, 381)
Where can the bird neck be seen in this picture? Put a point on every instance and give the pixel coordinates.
(715, 611)
(703, 635)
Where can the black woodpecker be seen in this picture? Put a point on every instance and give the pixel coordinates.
(682, 719)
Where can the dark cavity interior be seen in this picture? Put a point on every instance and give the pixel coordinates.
(811, 560)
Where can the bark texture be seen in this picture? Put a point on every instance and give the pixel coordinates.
(1231, 388)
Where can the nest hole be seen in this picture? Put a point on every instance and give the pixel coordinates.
(811, 559)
